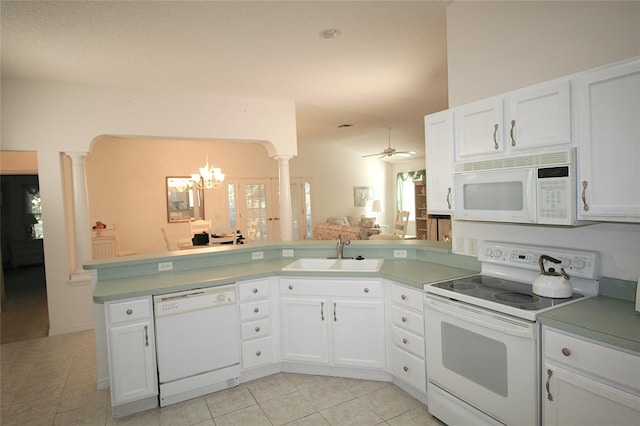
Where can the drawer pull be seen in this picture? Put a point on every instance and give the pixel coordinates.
(290, 287)
(256, 310)
(495, 136)
(366, 290)
(405, 368)
(566, 351)
(549, 374)
(255, 290)
(513, 139)
(258, 353)
(403, 297)
(404, 340)
(129, 311)
(404, 319)
(146, 335)
(257, 329)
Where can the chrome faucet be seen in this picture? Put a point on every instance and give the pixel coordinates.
(340, 246)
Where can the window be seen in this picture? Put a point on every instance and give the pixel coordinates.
(33, 210)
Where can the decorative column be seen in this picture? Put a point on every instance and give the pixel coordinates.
(286, 218)
(82, 240)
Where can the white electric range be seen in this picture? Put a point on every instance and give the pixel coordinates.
(482, 350)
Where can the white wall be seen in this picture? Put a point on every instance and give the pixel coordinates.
(52, 118)
(495, 47)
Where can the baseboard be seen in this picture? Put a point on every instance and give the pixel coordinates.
(67, 330)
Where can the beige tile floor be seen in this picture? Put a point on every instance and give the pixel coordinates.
(51, 381)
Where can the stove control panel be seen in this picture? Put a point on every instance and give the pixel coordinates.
(577, 263)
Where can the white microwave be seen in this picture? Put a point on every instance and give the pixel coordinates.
(536, 188)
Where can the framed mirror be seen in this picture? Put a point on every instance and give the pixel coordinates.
(184, 200)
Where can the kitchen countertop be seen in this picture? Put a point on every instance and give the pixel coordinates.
(605, 319)
(412, 273)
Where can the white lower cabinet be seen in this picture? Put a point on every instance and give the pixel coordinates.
(131, 352)
(406, 331)
(585, 383)
(256, 323)
(334, 321)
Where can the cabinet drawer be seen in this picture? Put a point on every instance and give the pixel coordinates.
(595, 360)
(407, 319)
(254, 329)
(253, 290)
(407, 341)
(407, 297)
(410, 369)
(129, 310)
(334, 288)
(257, 352)
(254, 310)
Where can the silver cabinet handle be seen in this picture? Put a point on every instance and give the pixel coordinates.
(366, 290)
(495, 136)
(256, 310)
(566, 351)
(129, 311)
(405, 368)
(549, 374)
(258, 353)
(255, 290)
(146, 335)
(513, 125)
(290, 287)
(404, 341)
(404, 319)
(257, 329)
(322, 311)
(403, 297)
(334, 312)
(449, 198)
(585, 206)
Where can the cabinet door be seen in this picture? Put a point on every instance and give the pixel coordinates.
(358, 333)
(439, 149)
(608, 149)
(539, 116)
(132, 360)
(303, 322)
(478, 128)
(572, 399)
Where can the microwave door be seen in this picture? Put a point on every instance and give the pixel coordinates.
(496, 196)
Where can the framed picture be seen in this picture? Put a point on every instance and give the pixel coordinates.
(362, 194)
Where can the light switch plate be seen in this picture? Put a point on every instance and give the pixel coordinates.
(400, 253)
(257, 255)
(287, 252)
(165, 266)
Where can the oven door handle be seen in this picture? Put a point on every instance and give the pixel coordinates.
(485, 319)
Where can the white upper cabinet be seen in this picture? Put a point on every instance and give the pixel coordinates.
(529, 118)
(439, 148)
(478, 128)
(608, 140)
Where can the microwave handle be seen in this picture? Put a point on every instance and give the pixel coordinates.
(531, 195)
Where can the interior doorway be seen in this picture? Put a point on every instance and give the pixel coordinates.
(24, 292)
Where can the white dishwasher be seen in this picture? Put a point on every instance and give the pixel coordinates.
(198, 342)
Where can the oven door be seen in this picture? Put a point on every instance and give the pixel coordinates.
(483, 361)
(507, 195)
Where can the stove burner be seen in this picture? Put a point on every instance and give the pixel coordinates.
(511, 297)
(485, 280)
(461, 286)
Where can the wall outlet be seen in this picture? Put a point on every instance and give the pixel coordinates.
(257, 255)
(473, 246)
(165, 266)
(287, 252)
(400, 253)
(460, 244)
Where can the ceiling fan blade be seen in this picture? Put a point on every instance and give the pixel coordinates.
(405, 153)
(373, 155)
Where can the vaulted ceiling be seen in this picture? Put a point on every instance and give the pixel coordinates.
(385, 68)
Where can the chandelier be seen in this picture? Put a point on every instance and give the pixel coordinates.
(209, 177)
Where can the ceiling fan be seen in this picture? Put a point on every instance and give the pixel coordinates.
(389, 152)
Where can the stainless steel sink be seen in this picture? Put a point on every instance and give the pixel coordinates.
(334, 265)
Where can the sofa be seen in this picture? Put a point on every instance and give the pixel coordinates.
(350, 227)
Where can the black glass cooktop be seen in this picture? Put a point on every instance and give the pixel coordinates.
(505, 292)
